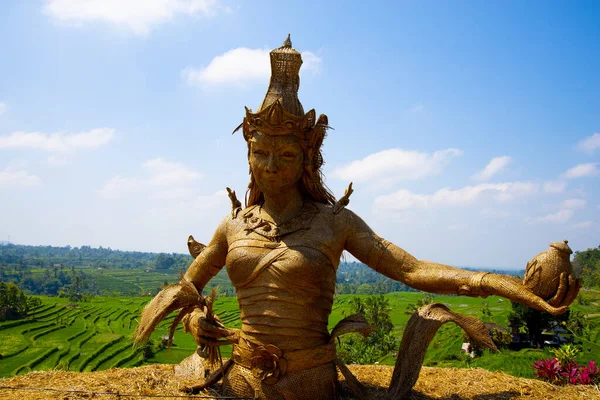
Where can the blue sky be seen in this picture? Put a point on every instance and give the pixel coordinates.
(471, 130)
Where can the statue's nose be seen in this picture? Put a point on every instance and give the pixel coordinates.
(272, 164)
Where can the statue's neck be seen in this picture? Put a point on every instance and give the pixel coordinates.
(283, 206)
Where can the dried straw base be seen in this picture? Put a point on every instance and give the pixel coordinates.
(433, 383)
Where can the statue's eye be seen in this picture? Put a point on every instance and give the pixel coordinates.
(260, 152)
(289, 154)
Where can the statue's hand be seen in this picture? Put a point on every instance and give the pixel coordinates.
(173, 297)
(207, 331)
(566, 293)
(514, 290)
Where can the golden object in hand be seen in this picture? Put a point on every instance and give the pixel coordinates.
(542, 275)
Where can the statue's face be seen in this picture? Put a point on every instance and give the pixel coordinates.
(276, 162)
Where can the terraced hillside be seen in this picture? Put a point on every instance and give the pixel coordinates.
(96, 335)
(91, 336)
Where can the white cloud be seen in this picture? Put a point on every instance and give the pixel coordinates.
(511, 190)
(58, 142)
(171, 177)
(560, 216)
(495, 213)
(2, 108)
(169, 173)
(563, 215)
(310, 62)
(583, 225)
(394, 165)
(140, 16)
(495, 165)
(118, 186)
(555, 186)
(573, 204)
(582, 170)
(590, 144)
(214, 200)
(241, 66)
(11, 177)
(237, 66)
(56, 160)
(402, 200)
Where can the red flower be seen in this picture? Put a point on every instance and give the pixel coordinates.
(549, 370)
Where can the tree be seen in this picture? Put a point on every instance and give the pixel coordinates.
(588, 263)
(357, 349)
(164, 261)
(534, 321)
(14, 304)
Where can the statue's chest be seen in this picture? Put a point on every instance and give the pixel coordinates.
(297, 257)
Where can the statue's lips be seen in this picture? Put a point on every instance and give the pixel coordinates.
(273, 181)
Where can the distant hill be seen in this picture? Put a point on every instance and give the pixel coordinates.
(52, 270)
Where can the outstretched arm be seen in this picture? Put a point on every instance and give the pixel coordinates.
(185, 295)
(395, 263)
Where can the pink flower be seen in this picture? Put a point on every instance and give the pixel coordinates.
(549, 369)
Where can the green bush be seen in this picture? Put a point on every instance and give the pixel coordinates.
(566, 353)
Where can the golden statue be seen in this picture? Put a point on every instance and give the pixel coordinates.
(282, 252)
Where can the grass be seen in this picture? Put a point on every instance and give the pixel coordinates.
(97, 335)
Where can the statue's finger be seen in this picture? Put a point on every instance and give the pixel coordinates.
(211, 329)
(556, 310)
(574, 286)
(563, 286)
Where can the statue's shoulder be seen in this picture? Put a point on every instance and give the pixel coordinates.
(246, 212)
(323, 209)
(336, 215)
(333, 210)
(241, 216)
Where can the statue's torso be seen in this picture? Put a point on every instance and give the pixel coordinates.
(285, 284)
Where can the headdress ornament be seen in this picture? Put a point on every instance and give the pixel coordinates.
(281, 112)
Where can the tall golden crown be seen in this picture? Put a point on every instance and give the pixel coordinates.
(281, 112)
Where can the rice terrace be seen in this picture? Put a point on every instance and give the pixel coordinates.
(96, 335)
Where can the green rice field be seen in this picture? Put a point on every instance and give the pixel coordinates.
(96, 335)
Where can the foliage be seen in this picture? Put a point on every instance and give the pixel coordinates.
(534, 321)
(566, 353)
(164, 261)
(587, 263)
(500, 338)
(563, 369)
(367, 350)
(553, 371)
(55, 270)
(357, 278)
(14, 304)
(583, 300)
(549, 370)
(414, 307)
(579, 324)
